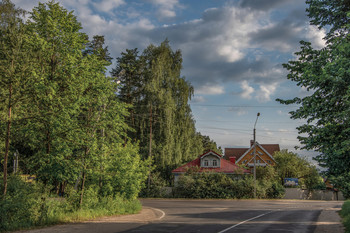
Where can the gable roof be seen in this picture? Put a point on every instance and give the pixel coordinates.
(211, 152)
(235, 152)
(261, 147)
(226, 166)
(239, 152)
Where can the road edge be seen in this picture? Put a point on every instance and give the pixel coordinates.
(329, 221)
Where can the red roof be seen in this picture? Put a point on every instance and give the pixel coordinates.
(225, 166)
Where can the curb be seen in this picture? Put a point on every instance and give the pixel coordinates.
(146, 215)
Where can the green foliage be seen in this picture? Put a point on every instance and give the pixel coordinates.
(209, 144)
(160, 117)
(290, 165)
(156, 188)
(342, 183)
(325, 74)
(345, 213)
(27, 205)
(21, 207)
(218, 185)
(266, 173)
(15, 67)
(68, 124)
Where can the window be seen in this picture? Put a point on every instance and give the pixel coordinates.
(206, 163)
(215, 163)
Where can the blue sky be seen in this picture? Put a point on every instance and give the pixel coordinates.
(233, 51)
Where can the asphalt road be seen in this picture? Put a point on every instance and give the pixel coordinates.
(214, 216)
(235, 216)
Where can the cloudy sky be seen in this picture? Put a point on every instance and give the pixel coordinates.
(233, 51)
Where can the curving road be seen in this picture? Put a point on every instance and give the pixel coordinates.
(236, 216)
(216, 216)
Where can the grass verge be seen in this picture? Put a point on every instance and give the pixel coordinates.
(345, 214)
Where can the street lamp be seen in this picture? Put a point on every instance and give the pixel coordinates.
(257, 116)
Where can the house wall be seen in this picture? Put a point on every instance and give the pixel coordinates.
(259, 152)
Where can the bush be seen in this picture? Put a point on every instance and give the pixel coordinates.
(156, 187)
(345, 213)
(217, 185)
(26, 205)
(23, 206)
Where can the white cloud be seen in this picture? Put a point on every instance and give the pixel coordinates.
(108, 6)
(210, 90)
(247, 90)
(166, 8)
(264, 93)
(198, 99)
(316, 36)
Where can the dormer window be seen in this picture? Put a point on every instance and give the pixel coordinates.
(215, 163)
(206, 163)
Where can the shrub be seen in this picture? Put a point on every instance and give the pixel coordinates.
(156, 187)
(345, 213)
(217, 185)
(26, 205)
(23, 206)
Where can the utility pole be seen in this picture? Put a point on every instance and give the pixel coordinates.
(254, 133)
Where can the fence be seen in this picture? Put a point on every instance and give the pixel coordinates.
(302, 194)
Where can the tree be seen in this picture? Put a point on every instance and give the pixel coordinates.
(324, 73)
(160, 116)
(56, 98)
(209, 144)
(290, 165)
(14, 68)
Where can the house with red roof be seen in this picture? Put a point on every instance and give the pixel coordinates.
(245, 156)
(210, 161)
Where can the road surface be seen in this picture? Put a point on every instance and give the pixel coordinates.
(219, 216)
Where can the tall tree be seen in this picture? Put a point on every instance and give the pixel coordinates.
(14, 69)
(56, 97)
(160, 114)
(325, 74)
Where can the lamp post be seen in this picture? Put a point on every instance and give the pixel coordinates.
(254, 132)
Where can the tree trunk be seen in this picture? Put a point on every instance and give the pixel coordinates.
(7, 140)
(82, 189)
(83, 182)
(150, 147)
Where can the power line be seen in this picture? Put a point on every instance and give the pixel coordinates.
(243, 106)
(266, 130)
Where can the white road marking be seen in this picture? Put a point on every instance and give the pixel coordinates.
(163, 213)
(229, 228)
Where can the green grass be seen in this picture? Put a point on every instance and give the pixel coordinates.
(345, 214)
(61, 213)
(58, 211)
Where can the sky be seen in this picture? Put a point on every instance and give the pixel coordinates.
(233, 51)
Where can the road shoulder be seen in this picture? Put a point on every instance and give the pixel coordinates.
(329, 221)
(103, 224)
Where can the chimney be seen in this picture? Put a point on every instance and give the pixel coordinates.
(233, 159)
